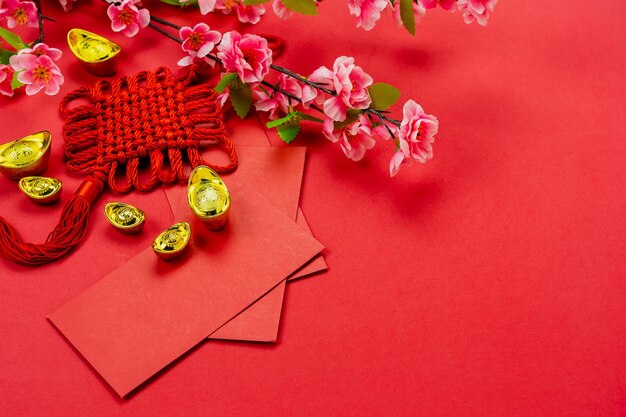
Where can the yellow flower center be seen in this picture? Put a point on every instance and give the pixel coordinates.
(41, 72)
(196, 40)
(20, 16)
(126, 17)
(231, 3)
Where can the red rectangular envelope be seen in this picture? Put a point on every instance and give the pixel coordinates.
(147, 313)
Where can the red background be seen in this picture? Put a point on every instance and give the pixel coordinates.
(488, 282)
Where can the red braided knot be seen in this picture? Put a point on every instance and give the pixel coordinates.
(151, 116)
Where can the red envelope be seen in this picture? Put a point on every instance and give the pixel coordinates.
(147, 313)
(277, 174)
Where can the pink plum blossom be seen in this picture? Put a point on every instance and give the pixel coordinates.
(354, 139)
(476, 10)
(350, 83)
(6, 80)
(39, 49)
(198, 42)
(37, 72)
(247, 55)
(19, 13)
(127, 18)
(277, 100)
(250, 14)
(280, 10)
(367, 11)
(414, 138)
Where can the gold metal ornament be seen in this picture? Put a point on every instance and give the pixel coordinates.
(25, 157)
(172, 242)
(124, 217)
(41, 190)
(208, 197)
(96, 53)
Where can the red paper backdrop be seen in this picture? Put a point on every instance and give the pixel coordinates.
(489, 282)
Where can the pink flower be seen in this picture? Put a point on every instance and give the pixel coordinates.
(417, 132)
(367, 11)
(39, 49)
(127, 18)
(478, 10)
(280, 10)
(198, 43)
(354, 139)
(418, 12)
(445, 4)
(277, 100)
(247, 55)
(39, 72)
(6, 80)
(350, 83)
(20, 13)
(250, 14)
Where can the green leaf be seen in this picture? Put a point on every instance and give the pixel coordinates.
(15, 83)
(278, 122)
(407, 15)
(5, 55)
(351, 117)
(308, 117)
(301, 6)
(289, 131)
(255, 2)
(383, 95)
(225, 82)
(12, 39)
(241, 98)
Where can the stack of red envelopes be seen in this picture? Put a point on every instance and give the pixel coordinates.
(228, 285)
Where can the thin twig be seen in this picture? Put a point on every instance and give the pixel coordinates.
(165, 22)
(40, 18)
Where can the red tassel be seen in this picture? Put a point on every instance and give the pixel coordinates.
(70, 231)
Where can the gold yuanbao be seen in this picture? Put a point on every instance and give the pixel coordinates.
(208, 197)
(172, 242)
(25, 157)
(94, 51)
(41, 190)
(124, 217)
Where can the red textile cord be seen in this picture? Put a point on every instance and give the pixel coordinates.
(68, 233)
(151, 116)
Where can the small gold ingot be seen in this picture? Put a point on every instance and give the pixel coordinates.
(124, 217)
(41, 190)
(96, 53)
(208, 197)
(172, 242)
(25, 157)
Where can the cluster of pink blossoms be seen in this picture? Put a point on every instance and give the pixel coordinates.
(18, 13)
(368, 12)
(35, 68)
(348, 118)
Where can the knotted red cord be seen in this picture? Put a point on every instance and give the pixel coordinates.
(150, 116)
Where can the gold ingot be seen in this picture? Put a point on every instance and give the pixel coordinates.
(172, 242)
(124, 217)
(25, 157)
(208, 197)
(41, 190)
(96, 53)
